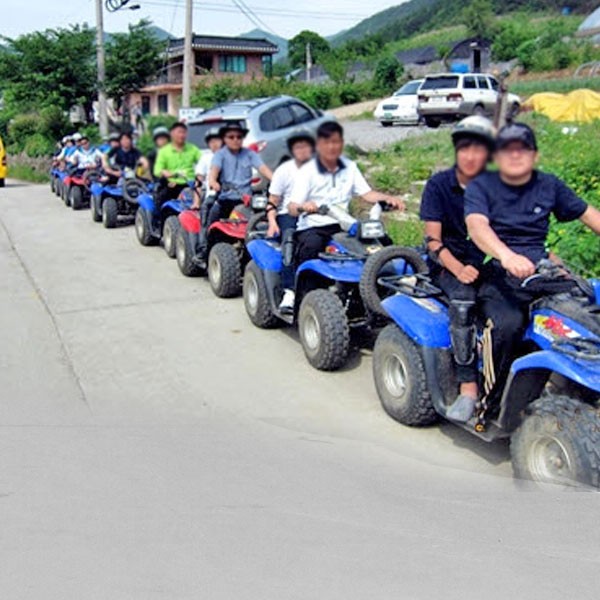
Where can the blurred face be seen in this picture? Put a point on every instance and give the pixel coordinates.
(516, 160)
(330, 149)
(302, 152)
(126, 143)
(161, 140)
(234, 140)
(471, 160)
(179, 136)
(85, 144)
(215, 144)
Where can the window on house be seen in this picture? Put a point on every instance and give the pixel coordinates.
(163, 103)
(231, 63)
(204, 62)
(145, 105)
(267, 65)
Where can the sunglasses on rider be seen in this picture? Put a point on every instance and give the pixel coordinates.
(235, 136)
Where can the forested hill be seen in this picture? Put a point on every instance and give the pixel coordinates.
(416, 16)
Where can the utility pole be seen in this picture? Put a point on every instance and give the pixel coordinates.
(308, 62)
(188, 55)
(102, 104)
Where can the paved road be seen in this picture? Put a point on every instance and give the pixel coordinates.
(370, 135)
(155, 445)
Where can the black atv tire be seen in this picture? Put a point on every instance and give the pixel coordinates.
(110, 213)
(224, 271)
(143, 227)
(96, 208)
(76, 197)
(53, 184)
(324, 330)
(256, 298)
(257, 227)
(371, 293)
(170, 229)
(66, 195)
(400, 380)
(184, 253)
(558, 431)
(2, 182)
(58, 188)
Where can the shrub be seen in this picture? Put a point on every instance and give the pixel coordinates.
(53, 123)
(387, 74)
(160, 121)
(350, 94)
(318, 96)
(20, 128)
(37, 145)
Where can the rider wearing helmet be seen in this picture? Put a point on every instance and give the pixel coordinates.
(214, 143)
(161, 137)
(301, 146)
(86, 156)
(455, 260)
(508, 216)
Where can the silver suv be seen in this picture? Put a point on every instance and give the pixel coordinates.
(451, 96)
(270, 122)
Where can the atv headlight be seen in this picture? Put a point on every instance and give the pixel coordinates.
(371, 230)
(259, 202)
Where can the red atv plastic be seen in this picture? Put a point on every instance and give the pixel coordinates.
(227, 254)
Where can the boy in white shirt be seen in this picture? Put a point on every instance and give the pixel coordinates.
(330, 179)
(281, 224)
(214, 142)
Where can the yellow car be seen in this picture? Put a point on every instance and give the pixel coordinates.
(3, 164)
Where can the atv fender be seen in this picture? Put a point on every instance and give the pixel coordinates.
(596, 285)
(146, 202)
(424, 320)
(97, 188)
(347, 271)
(231, 229)
(174, 207)
(267, 256)
(190, 221)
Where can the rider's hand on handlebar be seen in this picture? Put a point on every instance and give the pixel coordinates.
(519, 266)
(273, 230)
(396, 203)
(467, 274)
(216, 186)
(309, 207)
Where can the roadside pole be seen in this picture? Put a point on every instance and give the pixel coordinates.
(188, 56)
(102, 104)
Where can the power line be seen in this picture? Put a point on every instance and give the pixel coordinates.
(252, 15)
(267, 11)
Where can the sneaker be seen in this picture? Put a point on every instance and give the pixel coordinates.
(288, 301)
(462, 409)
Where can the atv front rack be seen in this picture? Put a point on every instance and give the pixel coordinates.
(415, 286)
(579, 348)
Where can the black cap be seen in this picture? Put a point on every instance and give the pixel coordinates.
(233, 126)
(516, 132)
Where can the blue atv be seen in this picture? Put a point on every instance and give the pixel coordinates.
(153, 225)
(330, 302)
(549, 406)
(110, 200)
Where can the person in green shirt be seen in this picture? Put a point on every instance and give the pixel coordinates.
(175, 165)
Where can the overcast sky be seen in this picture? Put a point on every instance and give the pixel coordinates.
(210, 16)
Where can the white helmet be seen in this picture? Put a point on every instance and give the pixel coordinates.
(76, 137)
(475, 128)
(66, 138)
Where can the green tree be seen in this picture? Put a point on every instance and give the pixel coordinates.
(55, 67)
(132, 59)
(387, 74)
(319, 48)
(478, 17)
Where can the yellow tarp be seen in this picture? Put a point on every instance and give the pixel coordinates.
(580, 106)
